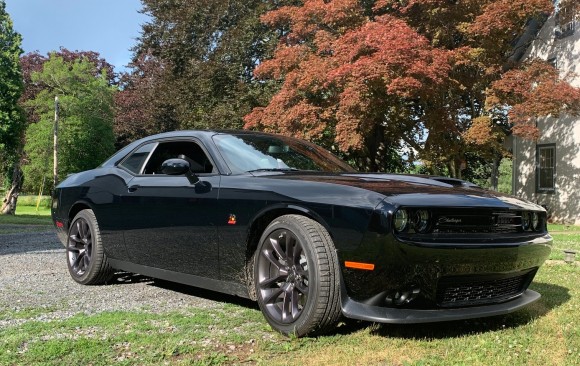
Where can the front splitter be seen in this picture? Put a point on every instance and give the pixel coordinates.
(356, 310)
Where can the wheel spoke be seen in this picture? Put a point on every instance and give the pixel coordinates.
(80, 230)
(287, 306)
(74, 243)
(86, 261)
(272, 296)
(302, 288)
(295, 310)
(77, 261)
(88, 252)
(276, 246)
(267, 283)
(290, 305)
(73, 248)
(289, 246)
(268, 254)
(75, 238)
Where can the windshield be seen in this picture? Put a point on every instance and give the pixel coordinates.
(249, 153)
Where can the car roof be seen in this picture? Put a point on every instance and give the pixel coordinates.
(202, 134)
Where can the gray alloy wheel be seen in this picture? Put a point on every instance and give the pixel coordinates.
(296, 276)
(86, 259)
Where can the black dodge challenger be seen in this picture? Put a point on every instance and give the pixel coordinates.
(286, 223)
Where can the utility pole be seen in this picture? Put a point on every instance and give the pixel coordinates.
(55, 145)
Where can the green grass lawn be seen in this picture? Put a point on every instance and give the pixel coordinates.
(32, 210)
(22, 219)
(566, 237)
(546, 333)
(28, 214)
(565, 228)
(565, 242)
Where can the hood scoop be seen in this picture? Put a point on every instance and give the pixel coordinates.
(452, 181)
(417, 179)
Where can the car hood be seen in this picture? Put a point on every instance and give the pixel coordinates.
(415, 190)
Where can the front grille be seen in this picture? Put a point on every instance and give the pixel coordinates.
(459, 221)
(467, 291)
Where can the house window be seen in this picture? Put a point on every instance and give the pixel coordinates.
(546, 168)
(567, 18)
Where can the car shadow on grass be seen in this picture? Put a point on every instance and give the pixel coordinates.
(552, 297)
(206, 294)
(126, 278)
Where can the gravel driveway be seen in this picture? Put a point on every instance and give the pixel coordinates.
(33, 274)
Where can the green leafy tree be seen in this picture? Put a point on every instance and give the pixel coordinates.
(505, 176)
(11, 119)
(85, 120)
(34, 62)
(193, 66)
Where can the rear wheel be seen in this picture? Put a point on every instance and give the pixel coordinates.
(296, 276)
(86, 259)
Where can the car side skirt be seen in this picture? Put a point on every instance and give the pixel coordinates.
(356, 310)
(230, 288)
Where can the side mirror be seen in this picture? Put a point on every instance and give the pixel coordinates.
(179, 167)
(175, 167)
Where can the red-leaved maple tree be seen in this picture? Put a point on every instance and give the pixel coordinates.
(368, 76)
(534, 90)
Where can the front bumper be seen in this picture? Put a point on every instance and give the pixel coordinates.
(417, 282)
(401, 266)
(357, 310)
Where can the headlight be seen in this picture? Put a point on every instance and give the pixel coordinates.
(535, 221)
(422, 221)
(401, 220)
(526, 221)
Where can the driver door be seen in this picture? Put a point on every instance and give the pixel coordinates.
(170, 222)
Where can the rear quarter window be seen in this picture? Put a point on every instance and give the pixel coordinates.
(135, 161)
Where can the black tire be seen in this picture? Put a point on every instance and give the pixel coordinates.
(296, 277)
(85, 257)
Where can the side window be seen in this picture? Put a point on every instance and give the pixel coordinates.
(137, 159)
(546, 168)
(187, 150)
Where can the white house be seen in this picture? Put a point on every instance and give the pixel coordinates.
(547, 171)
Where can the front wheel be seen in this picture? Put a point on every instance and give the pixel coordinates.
(296, 276)
(86, 258)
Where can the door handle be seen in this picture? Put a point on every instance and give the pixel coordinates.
(134, 188)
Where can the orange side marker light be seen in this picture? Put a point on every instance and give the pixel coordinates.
(232, 219)
(359, 265)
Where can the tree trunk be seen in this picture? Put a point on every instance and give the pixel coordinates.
(494, 173)
(11, 198)
(452, 170)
